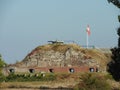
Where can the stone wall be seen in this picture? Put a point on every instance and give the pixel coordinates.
(60, 60)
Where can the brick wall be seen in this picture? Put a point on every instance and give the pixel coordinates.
(64, 69)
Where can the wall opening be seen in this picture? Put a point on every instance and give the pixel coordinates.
(12, 70)
(31, 70)
(91, 69)
(97, 70)
(51, 70)
(71, 70)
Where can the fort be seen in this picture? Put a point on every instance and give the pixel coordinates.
(58, 57)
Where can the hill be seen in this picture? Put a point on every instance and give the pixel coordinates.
(62, 57)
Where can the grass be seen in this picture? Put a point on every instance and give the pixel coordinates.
(93, 81)
(62, 80)
(58, 47)
(95, 54)
(78, 81)
(35, 84)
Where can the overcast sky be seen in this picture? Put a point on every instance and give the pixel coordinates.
(26, 24)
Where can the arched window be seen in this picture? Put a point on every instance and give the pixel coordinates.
(12, 70)
(71, 70)
(51, 70)
(97, 70)
(31, 70)
(91, 69)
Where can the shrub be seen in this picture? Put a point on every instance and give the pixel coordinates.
(92, 82)
(30, 77)
(48, 77)
(11, 77)
(109, 76)
(2, 77)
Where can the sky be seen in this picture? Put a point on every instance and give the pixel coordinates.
(26, 24)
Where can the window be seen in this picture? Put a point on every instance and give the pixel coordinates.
(72, 70)
(91, 69)
(31, 70)
(97, 70)
(51, 70)
(11, 70)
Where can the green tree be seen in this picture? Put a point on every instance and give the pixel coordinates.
(118, 32)
(2, 63)
(114, 65)
(115, 2)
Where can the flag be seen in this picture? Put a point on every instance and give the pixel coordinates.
(88, 30)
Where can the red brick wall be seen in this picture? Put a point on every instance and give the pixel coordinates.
(64, 69)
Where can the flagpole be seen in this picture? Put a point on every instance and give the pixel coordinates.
(87, 35)
(87, 40)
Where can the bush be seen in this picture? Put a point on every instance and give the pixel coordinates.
(52, 77)
(11, 77)
(92, 82)
(109, 76)
(2, 77)
(30, 77)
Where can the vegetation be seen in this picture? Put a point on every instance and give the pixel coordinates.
(58, 47)
(114, 65)
(29, 77)
(74, 81)
(92, 81)
(2, 64)
(2, 77)
(115, 2)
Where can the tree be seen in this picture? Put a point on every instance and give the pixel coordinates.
(118, 32)
(114, 65)
(2, 63)
(115, 2)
